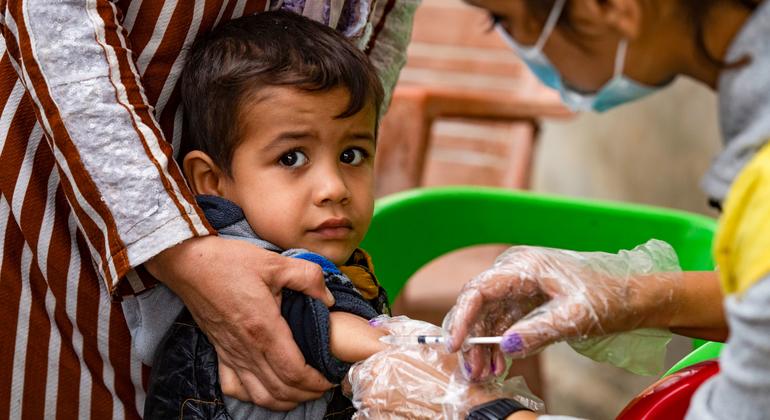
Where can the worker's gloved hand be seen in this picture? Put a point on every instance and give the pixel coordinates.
(537, 296)
(423, 381)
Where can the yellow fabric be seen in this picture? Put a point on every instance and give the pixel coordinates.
(360, 271)
(742, 248)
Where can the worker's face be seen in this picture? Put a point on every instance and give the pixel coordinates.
(303, 177)
(584, 50)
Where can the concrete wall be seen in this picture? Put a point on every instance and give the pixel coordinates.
(653, 151)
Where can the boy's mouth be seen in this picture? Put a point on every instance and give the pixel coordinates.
(334, 228)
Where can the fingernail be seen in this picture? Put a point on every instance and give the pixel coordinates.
(374, 322)
(330, 296)
(467, 367)
(512, 343)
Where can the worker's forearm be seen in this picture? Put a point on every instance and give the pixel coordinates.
(700, 312)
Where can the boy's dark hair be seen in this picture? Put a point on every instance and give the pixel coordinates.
(230, 64)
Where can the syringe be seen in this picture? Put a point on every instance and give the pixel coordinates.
(415, 340)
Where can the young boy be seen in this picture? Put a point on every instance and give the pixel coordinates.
(282, 113)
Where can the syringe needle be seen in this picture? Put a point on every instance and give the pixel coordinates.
(413, 340)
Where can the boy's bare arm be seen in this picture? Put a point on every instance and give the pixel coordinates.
(351, 338)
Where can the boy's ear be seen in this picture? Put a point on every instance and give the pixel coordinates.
(203, 175)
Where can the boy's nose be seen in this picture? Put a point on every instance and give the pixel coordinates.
(331, 188)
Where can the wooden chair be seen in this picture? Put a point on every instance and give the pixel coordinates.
(459, 68)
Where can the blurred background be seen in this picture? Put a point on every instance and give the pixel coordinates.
(467, 111)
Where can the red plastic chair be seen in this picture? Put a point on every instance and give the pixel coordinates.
(669, 398)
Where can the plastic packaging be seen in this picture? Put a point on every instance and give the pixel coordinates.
(594, 300)
(422, 382)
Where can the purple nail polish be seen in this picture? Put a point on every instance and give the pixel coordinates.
(512, 343)
(467, 368)
(374, 322)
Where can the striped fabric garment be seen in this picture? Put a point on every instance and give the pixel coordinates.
(89, 189)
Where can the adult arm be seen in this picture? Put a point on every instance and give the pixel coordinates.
(537, 296)
(701, 312)
(128, 196)
(391, 23)
(131, 202)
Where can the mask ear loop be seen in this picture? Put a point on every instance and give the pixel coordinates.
(534, 50)
(620, 57)
(550, 24)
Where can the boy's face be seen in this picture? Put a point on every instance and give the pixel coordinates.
(304, 178)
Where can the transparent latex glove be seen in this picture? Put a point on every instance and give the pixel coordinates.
(422, 382)
(537, 296)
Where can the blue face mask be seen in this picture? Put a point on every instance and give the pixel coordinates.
(618, 90)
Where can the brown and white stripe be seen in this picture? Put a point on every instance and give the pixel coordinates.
(88, 95)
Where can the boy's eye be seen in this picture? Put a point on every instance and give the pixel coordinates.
(353, 156)
(293, 159)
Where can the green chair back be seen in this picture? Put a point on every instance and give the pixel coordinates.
(412, 228)
(709, 350)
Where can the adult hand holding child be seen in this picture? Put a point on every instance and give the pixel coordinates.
(255, 348)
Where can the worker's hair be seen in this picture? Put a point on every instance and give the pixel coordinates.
(228, 66)
(697, 12)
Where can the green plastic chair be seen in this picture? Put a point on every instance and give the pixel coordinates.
(412, 228)
(709, 350)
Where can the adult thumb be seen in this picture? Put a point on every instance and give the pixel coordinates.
(301, 276)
